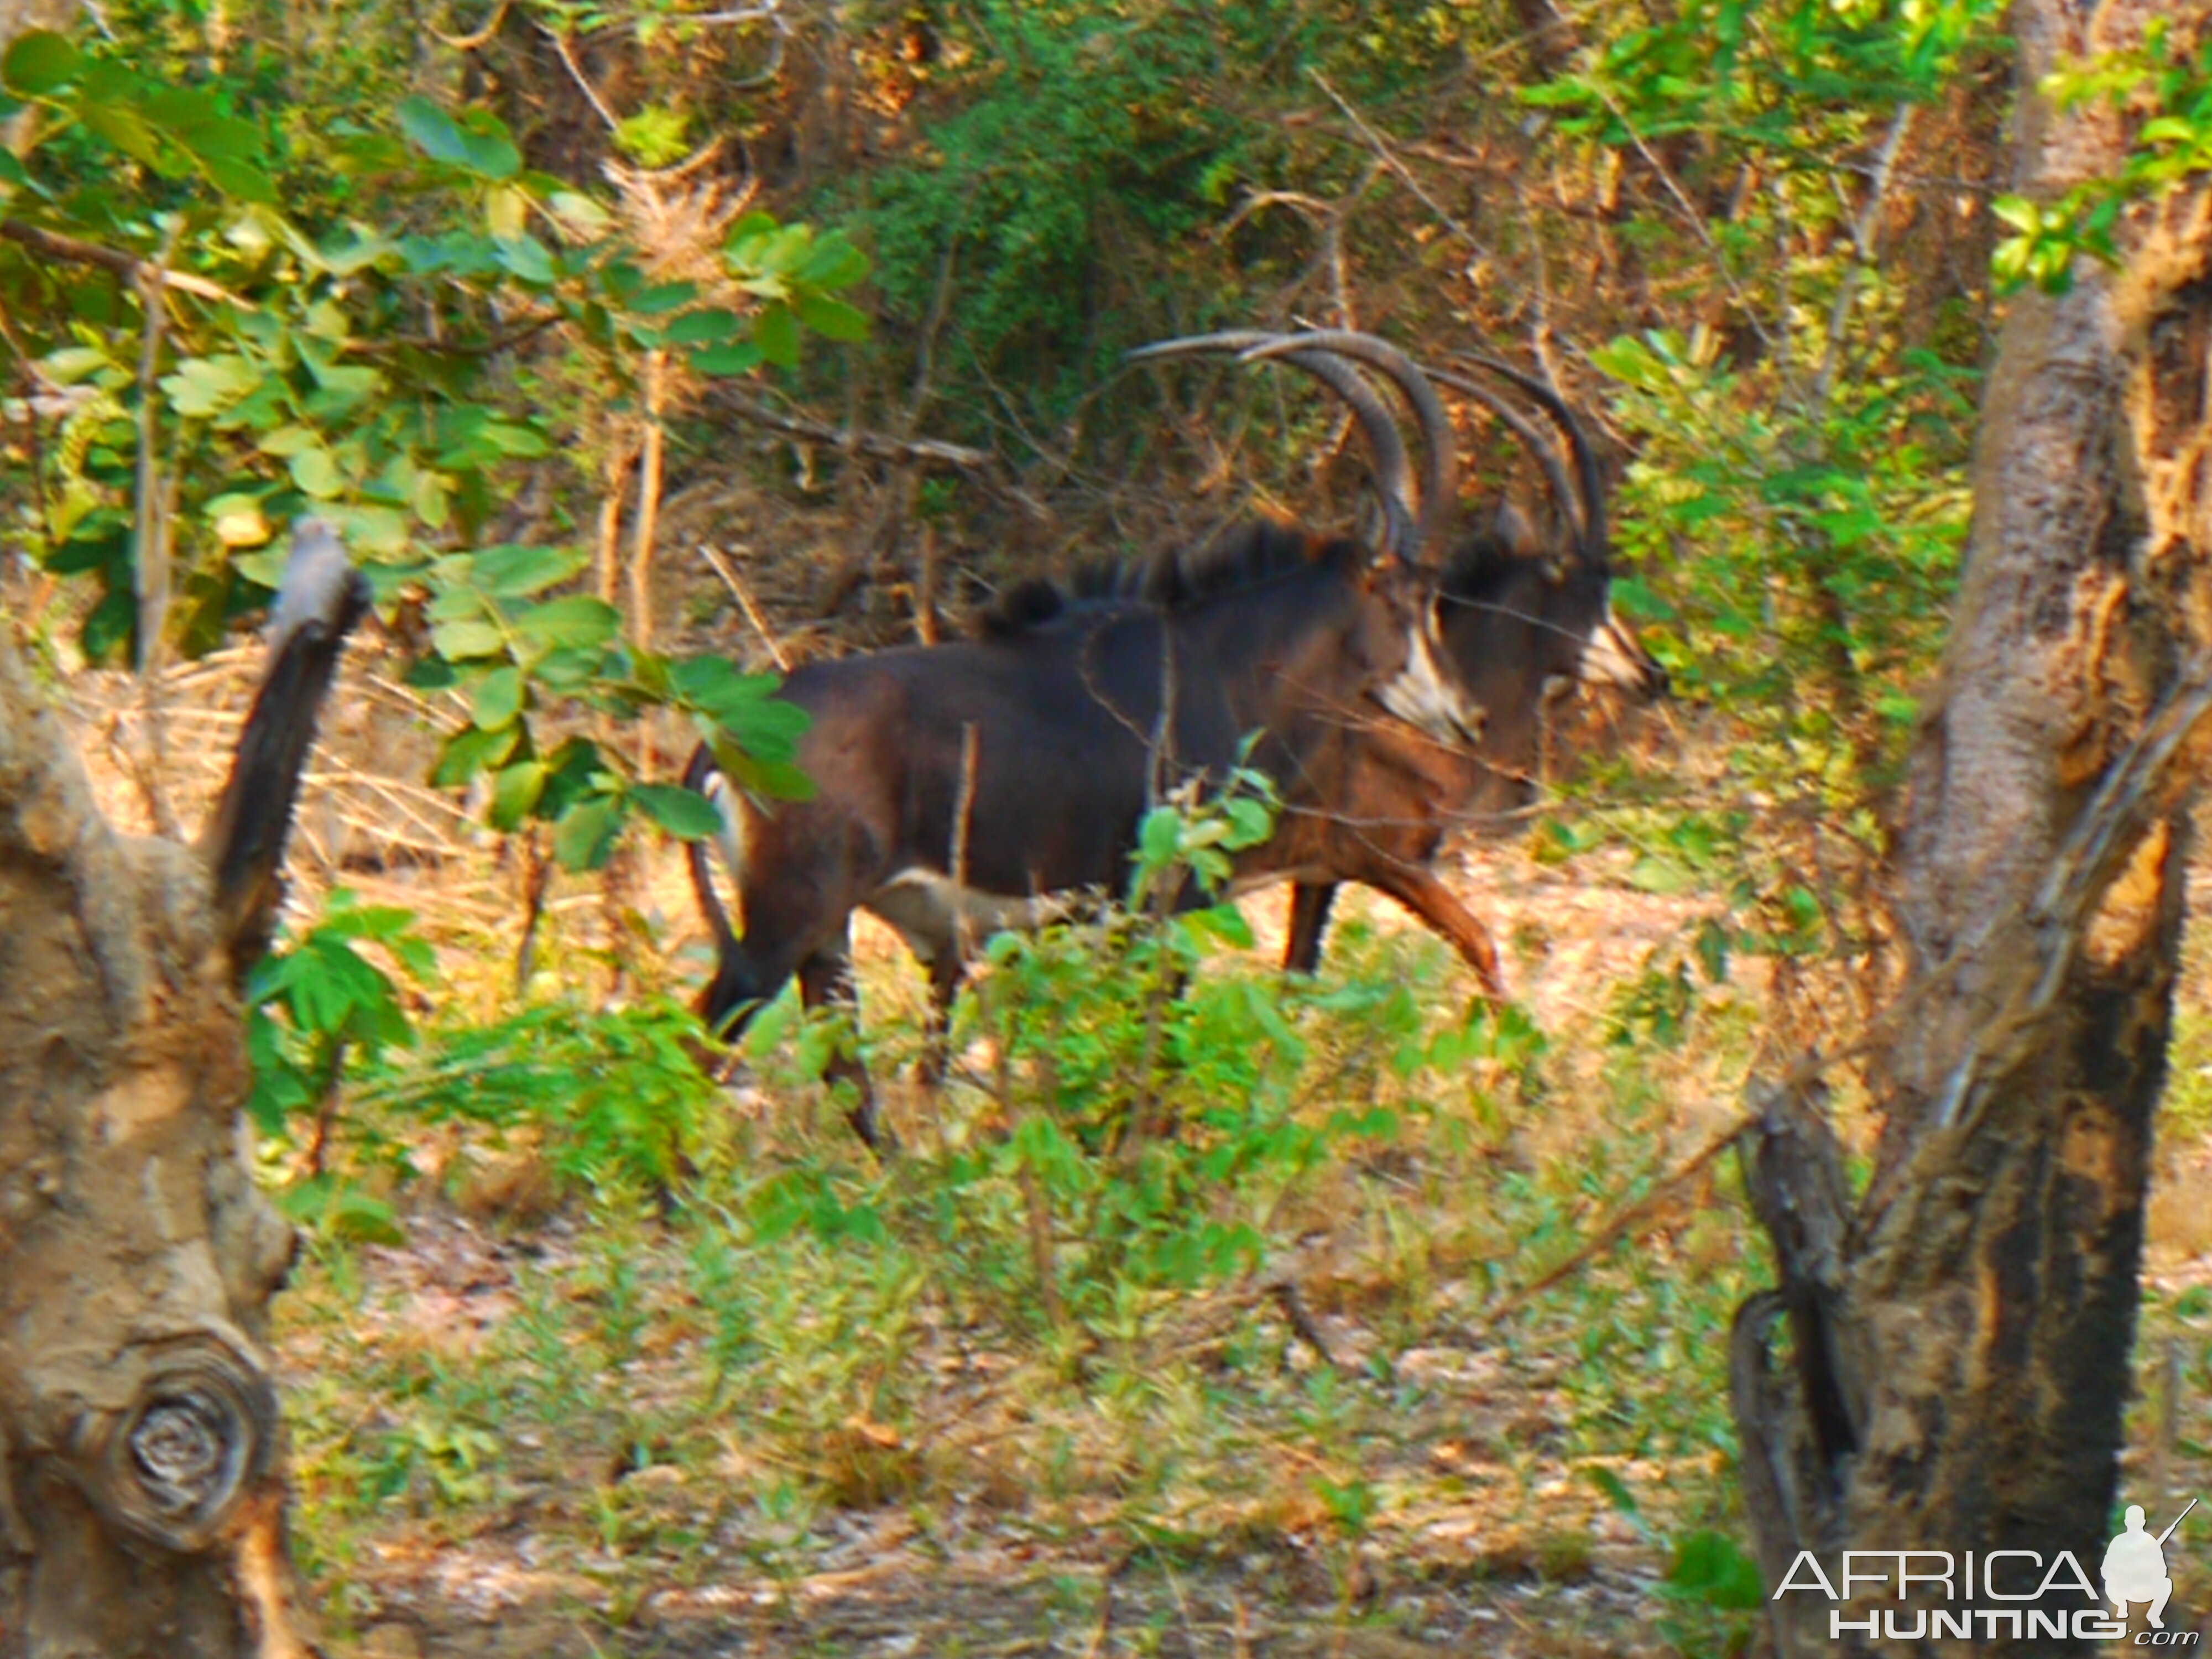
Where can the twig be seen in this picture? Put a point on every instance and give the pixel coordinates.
(540, 875)
(1384, 153)
(854, 441)
(150, 570)
(768, 11)
(78, 252)
(744, 596)
(472, 42)
(1698, 228)
(520, 334)
(560, 40)
(1104, 1627)
(619, 456)
(964, 815)
(1301, 1322)
(650, 457)
(1863, 245)
(1623, 1224)
(925, 589)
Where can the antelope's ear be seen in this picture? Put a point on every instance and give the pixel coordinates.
(1514, 532)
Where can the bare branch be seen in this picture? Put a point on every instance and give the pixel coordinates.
(874, 446)
(482, 36)
(1387, 155)
(76, 250)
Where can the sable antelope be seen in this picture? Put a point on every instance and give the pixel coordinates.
(1513, 623)
(967, 786)
(1519, 622)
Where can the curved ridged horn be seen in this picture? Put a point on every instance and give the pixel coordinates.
(1586, 468)
(1532, 438)
(1394, 471)
(1440, 479)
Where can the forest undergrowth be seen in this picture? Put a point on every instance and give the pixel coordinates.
(1412, 1334)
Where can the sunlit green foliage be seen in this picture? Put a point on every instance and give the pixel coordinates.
(356, 370)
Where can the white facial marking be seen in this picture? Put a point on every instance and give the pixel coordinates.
(1423, 695)
(1613, 658)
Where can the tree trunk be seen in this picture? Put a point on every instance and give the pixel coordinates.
(142, 1479)
(1958, 1354)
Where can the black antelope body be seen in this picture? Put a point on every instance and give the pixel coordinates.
(962, 787)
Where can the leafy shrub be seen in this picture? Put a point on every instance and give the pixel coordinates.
(616, 1098)
(317, 1005)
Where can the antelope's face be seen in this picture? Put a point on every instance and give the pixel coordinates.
(1521, 620)
(1405, 658)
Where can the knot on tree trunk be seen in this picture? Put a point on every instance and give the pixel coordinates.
(198, 1436)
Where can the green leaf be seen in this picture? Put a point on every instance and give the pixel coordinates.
(663, 297)
(467, 639)
(316, 471)
(288, 441)
(514, 792)
(526, 257)
(739, 357)
(241, 181)
(580, 212)
(775, 332)
(684, 813)
(72, 363)
(470, 751)
(717, 684)
(1225, 922)
(1159, 837)
(833, 319)
(511, 438)
(40, 62)
(518, 573)
(203, 386)
(432, 131)
(703, 328)
(1712, 1568)
(498, 698)
(478, 143)
(833, 262)
(587, 833)
(773, 779)
(122, 128)
(1250, 823)
(576, 621)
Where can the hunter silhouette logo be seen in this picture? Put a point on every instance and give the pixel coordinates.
(2135, 1566)
(2003, 1595)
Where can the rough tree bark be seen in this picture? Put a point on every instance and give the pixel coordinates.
(1959, 1340)
(142, 1480)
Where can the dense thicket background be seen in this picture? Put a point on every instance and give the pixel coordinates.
(625, 341)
